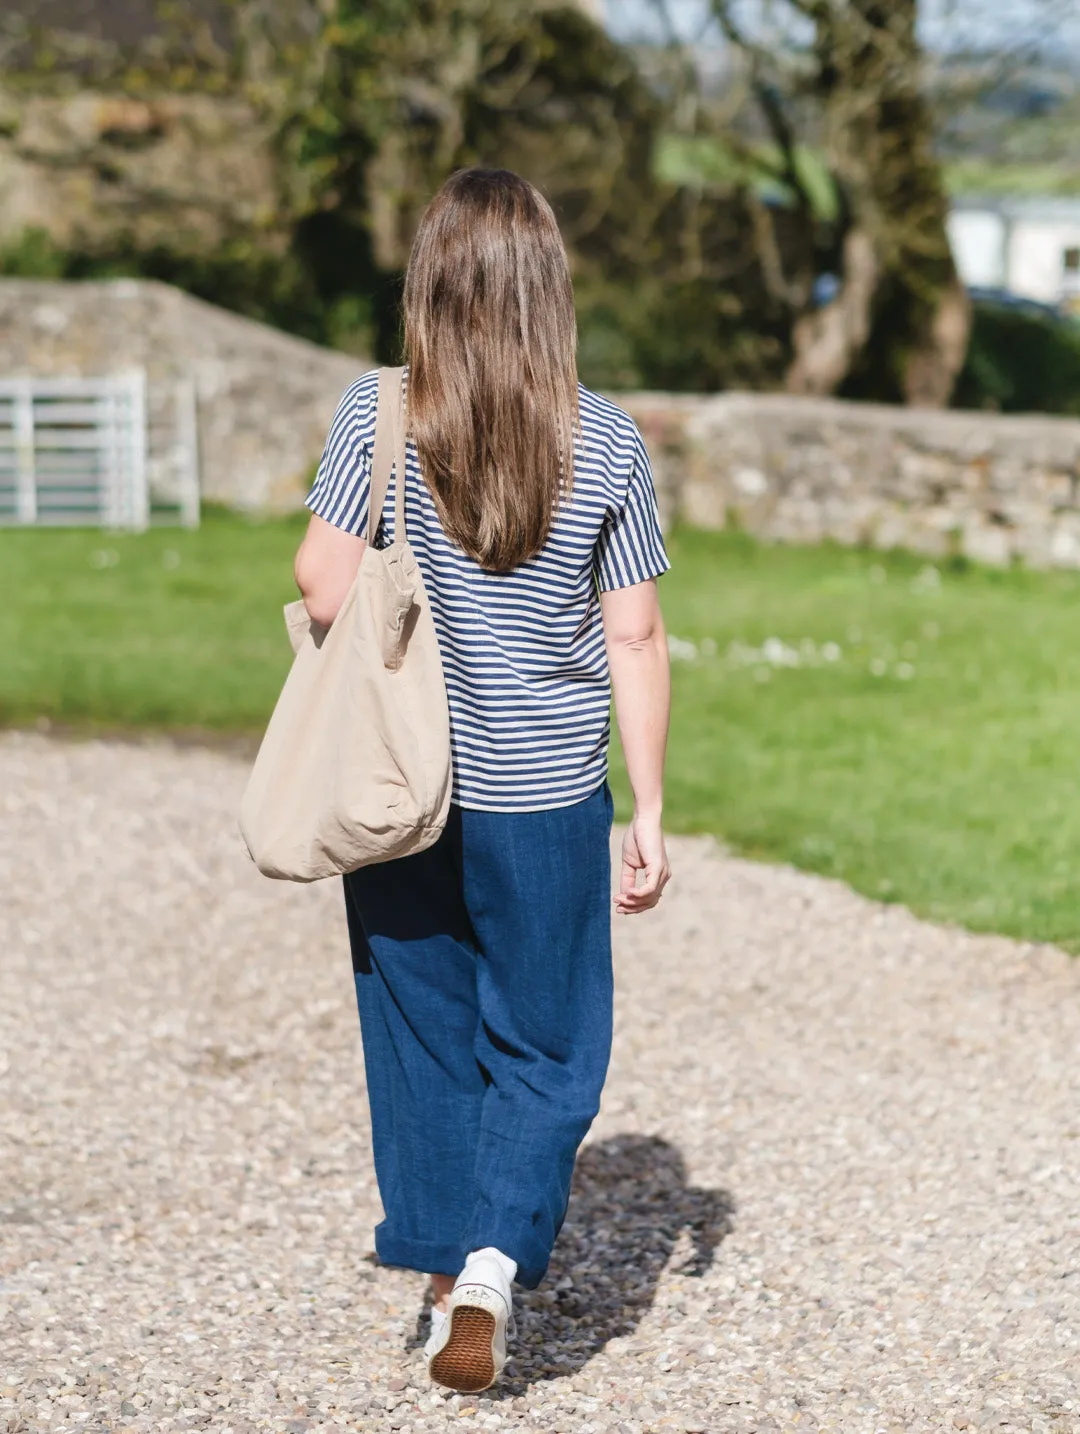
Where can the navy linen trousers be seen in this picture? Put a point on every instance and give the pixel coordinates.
(484, 981)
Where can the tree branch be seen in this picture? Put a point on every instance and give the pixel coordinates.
(782, 130)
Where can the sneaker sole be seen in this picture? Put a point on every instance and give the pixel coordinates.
(466, 1362)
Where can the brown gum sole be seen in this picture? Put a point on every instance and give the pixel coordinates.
(465, 1362)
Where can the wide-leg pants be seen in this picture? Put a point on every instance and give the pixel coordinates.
(484, 982)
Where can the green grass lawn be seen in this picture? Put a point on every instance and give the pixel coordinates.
(168, 628)
(933, 761)
(909, 728)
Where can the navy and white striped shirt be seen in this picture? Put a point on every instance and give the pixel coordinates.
(523, 651)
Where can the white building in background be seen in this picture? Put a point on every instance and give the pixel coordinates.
(1030, 247)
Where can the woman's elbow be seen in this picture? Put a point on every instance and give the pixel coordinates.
(325, 569)
(320, 609)
(319, 601)
(640, 636)
(322, 604)
(632, 618)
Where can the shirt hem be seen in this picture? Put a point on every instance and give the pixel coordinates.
(500, 809)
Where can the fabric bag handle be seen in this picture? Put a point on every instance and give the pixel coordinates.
(388, 454)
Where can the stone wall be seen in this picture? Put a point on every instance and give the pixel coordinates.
(786, 469)
(265, 399)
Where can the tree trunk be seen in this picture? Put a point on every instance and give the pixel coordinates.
(879, 135)
(934, 365)
(827, 341)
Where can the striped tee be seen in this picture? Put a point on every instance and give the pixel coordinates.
(523, 652)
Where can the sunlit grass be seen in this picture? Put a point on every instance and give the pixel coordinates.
(168, 628)
(907, 727)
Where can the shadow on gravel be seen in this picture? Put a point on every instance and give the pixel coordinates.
(629, 1207)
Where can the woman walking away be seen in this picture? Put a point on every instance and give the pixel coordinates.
(483, 964)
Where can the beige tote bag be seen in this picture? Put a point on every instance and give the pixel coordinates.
(355, 764)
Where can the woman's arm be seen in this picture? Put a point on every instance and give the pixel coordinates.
(641, 683)
(325, 568)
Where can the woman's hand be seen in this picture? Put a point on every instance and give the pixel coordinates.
(645, 869)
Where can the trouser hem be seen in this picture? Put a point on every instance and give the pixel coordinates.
(427, 1256)
(532, 1262)
(431, 1258)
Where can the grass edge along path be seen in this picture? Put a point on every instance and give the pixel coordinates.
(907, 727)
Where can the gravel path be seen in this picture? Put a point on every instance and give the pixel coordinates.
(833, 1185)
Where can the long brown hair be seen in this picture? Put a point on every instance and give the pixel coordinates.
(490, 339)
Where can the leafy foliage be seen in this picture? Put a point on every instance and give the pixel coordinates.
(375, 103)
(695, 239)
(1021, 362)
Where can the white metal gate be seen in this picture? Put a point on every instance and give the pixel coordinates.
(86, 451)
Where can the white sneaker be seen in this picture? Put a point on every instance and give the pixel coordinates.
(467, 1351)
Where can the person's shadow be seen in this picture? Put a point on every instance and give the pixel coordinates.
(630, 1205)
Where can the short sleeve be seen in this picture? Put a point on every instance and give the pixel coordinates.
(630, 548)
(342, 484)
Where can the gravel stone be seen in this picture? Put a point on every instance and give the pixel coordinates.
(833, 1186)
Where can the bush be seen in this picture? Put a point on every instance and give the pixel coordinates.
(1021, 361)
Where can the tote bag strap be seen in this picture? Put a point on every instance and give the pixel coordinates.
(388, 454)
